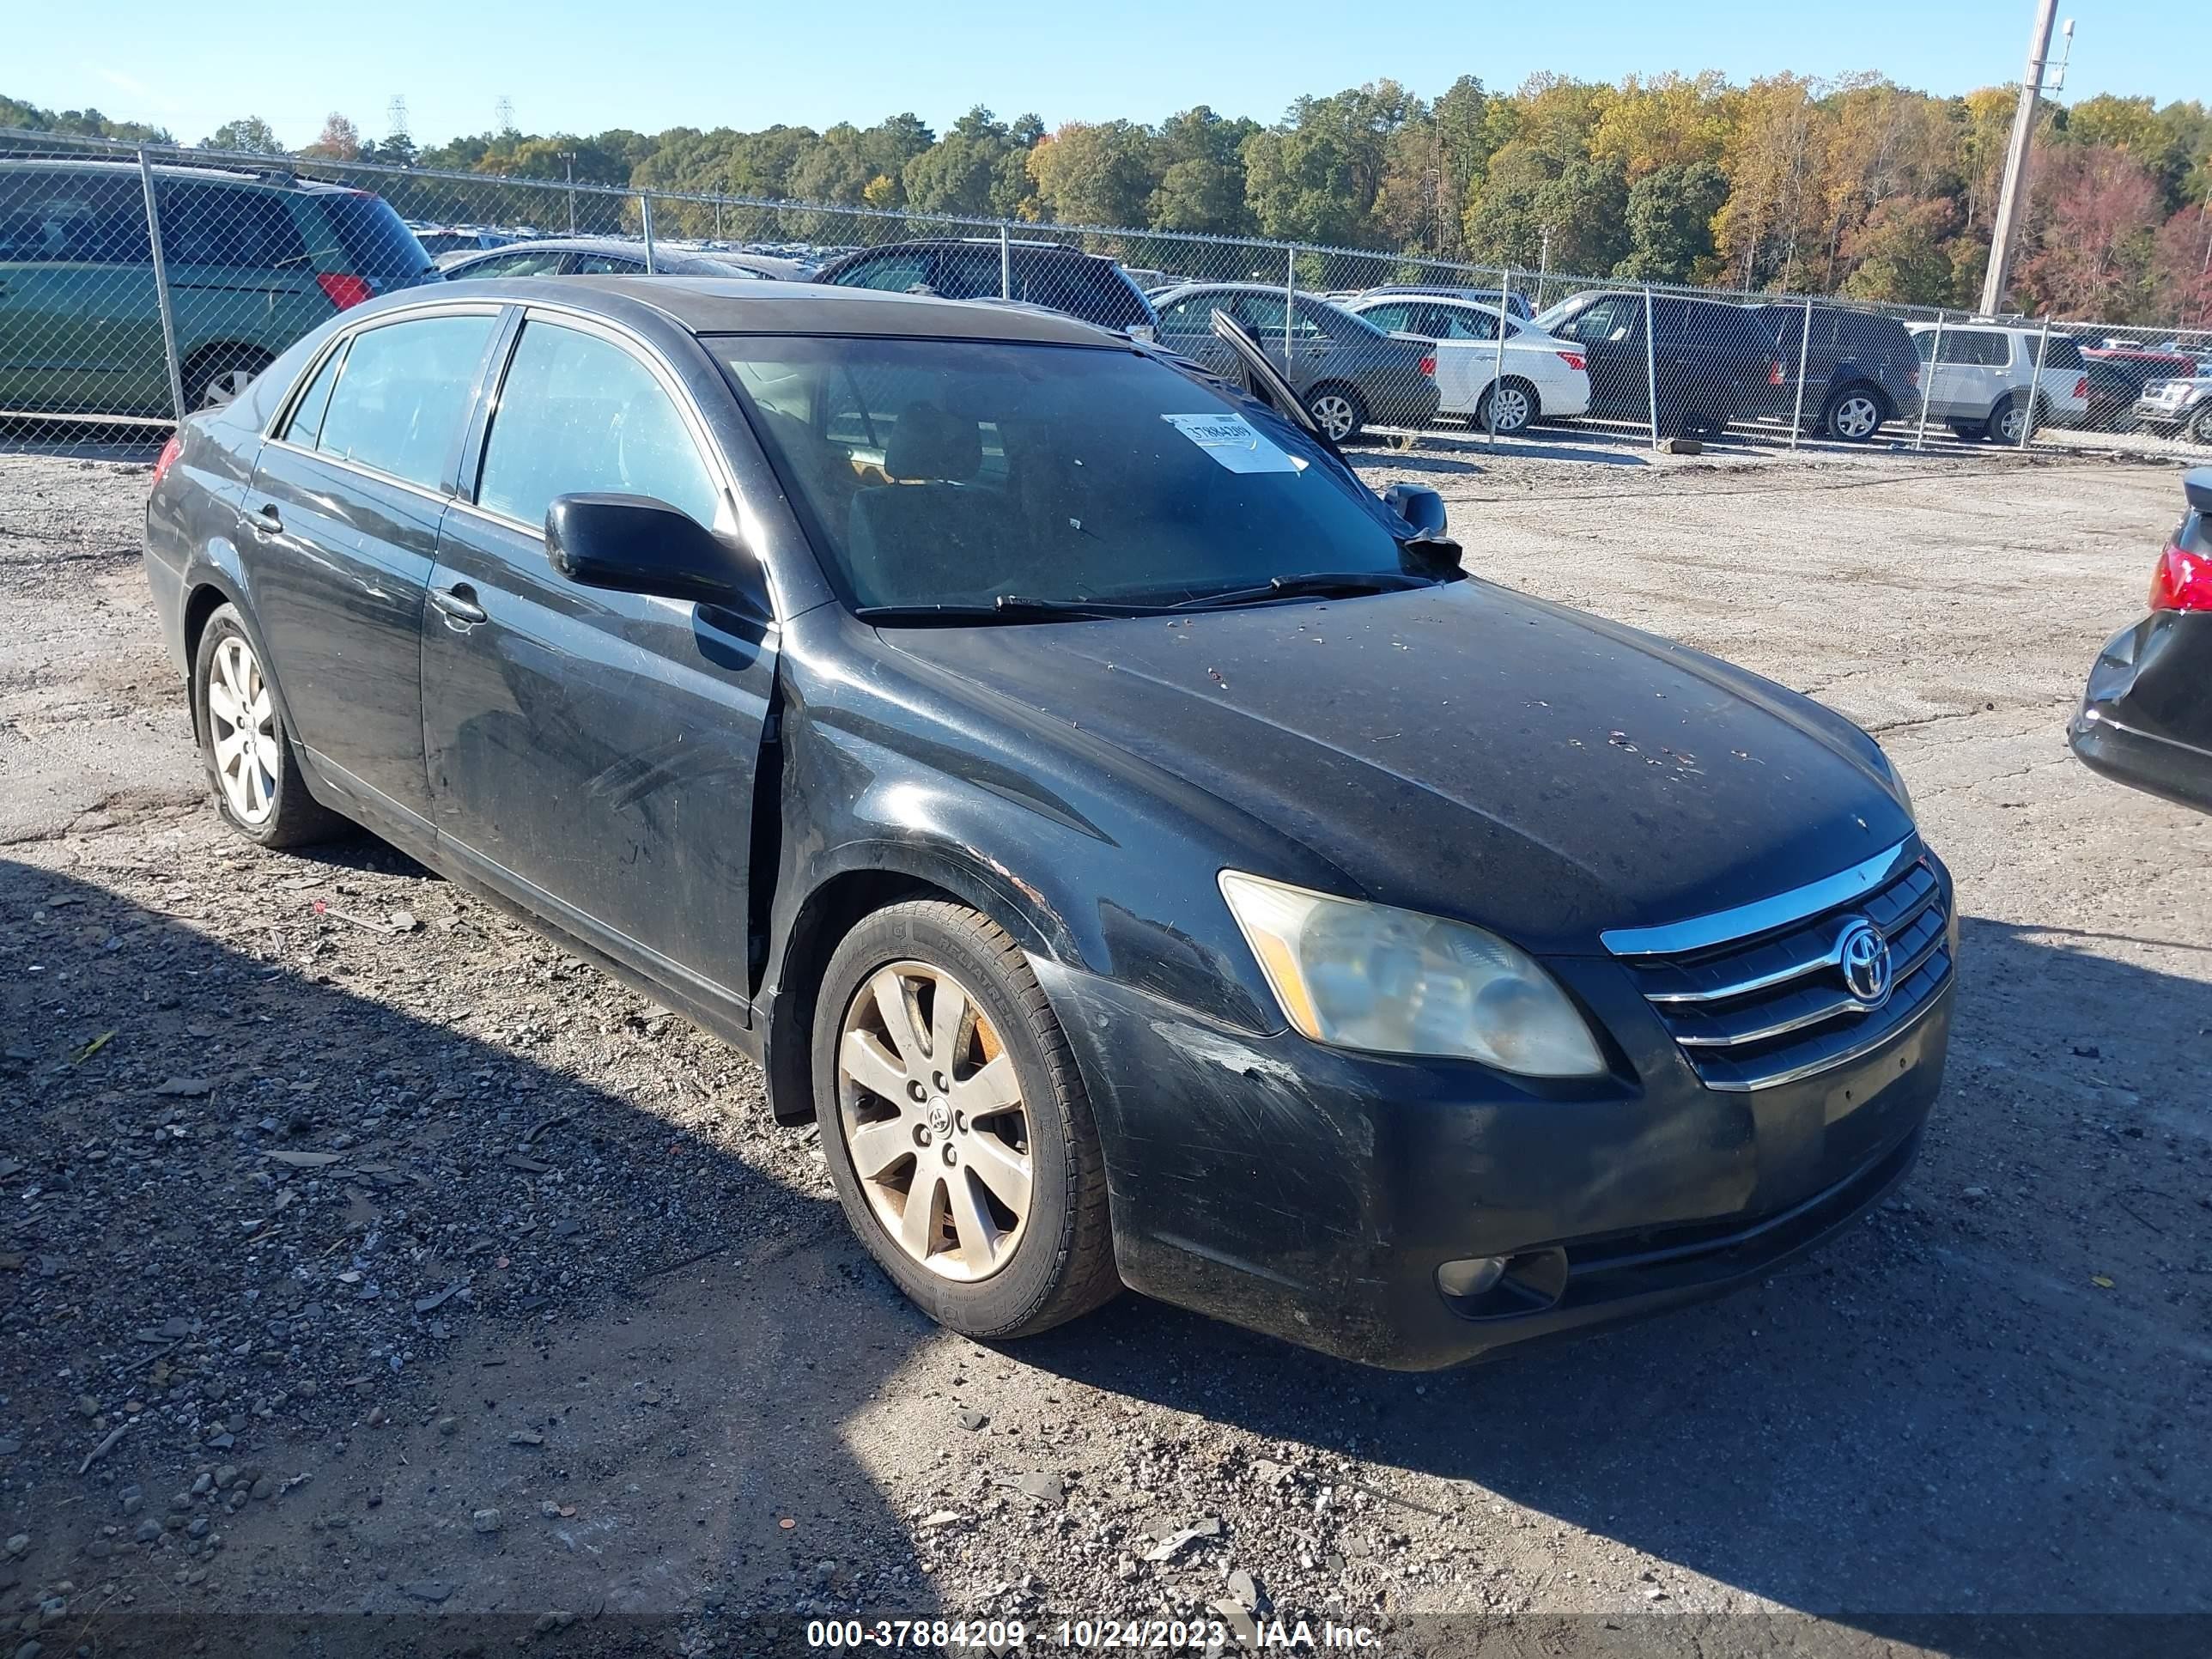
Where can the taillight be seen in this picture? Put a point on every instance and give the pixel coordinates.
(2081, 386)
(1774, 375)
(343, 289)
(1572, 359)
(1429, 366)
(167, 458)
(2181, 581)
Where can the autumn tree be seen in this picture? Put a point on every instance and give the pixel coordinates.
(2181, 268)
(2093, 234)
(338, 141)
(1094, 172)
(1670, 223)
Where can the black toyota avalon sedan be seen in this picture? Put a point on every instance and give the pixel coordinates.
(1142, 850)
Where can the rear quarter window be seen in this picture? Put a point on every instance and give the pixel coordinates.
(373, 240)
(2063, 352)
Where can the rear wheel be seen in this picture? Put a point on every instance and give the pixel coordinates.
(2009, 421)
(1854, 415)
(251, 767)
(1338, 411)
(1511, 405)
(956, 1126)
(217, 376)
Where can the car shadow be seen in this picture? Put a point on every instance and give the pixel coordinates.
(83, 440)
(148, 1072)
(1933, 1419)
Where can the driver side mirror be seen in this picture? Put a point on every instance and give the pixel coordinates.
(636, 545)
(1418, 506)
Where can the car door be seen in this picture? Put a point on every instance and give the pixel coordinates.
(1610, 330)
(339, 531)
(242, 278)
(1187, 329)
(593, 754)
(1964, 378)
(79, 322)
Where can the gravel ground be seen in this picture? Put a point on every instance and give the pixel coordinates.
(363, 1257)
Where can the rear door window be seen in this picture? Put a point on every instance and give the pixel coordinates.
(306, 427)
(1090, 289)
(236, 225)
(539, 262)
(1397, 315)
(606, 264)
(578, 412)
(403, 394)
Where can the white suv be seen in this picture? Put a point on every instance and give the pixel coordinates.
(1979, 386)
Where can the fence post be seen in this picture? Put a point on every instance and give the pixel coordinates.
(162, 286)
(1290, 300)
(1005, 266)
(644, 217)
(1651, 366)
(1928, 383)
(1804, 345)
(2035, 386)
(1498, 373)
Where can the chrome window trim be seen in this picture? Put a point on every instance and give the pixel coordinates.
(391, 480)
(346, 336)
(1766, 915)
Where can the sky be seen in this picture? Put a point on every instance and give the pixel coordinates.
(583, 65)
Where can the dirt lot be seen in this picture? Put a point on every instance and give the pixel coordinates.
(363, 1257)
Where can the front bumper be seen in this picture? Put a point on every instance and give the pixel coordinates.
(1312, 1194)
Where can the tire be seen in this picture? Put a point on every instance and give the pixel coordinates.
(1854, 415)
(1000, 1273)
(2200, 427)
(218, 374)
(2010, 420)
(1338, 411)
(256, 782)
(1519, 408)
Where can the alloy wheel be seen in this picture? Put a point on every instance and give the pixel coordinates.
(1333, 410)
(224, 387)
(1509, 408)
(242, 728)
(933, 1120)
(2012, 426)
(1856, 416)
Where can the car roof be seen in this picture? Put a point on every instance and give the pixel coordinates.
(1029, 244)
(276, 176)
(739, 304)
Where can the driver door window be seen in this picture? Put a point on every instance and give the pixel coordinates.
(578, 412)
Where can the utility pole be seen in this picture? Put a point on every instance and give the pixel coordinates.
(569, 156)
(2012, 200)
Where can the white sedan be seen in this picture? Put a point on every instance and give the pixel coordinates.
(1544, 375)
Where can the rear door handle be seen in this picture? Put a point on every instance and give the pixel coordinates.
(269, 520)
(458, 603)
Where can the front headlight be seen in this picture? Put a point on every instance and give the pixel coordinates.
(1357, 976)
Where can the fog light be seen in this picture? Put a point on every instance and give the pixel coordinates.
(1471, 1276)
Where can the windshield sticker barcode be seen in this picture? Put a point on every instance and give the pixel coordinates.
(1234, 442)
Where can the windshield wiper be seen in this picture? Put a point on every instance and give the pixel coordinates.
(1315, 584)
(1007, 607)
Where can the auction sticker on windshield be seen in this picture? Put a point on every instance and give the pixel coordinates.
(1234, 442)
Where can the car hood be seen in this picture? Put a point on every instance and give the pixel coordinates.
(1469, 752)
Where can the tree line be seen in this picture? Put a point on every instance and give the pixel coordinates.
(1852, 185)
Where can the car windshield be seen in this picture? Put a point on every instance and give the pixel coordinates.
(963, 473)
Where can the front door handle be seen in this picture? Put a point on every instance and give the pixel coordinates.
(458, 603)
(268, 521)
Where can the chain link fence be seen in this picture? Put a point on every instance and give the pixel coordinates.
(136, 283)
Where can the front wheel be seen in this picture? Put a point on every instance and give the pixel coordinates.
(1507, 407)
(217, 378)
(1337, 412)
(956, 1126)
(1854, 415)
(2200, 429)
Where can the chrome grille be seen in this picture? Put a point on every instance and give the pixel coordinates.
(1772, 1004)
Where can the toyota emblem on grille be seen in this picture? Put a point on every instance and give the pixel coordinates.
(1864, 954)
